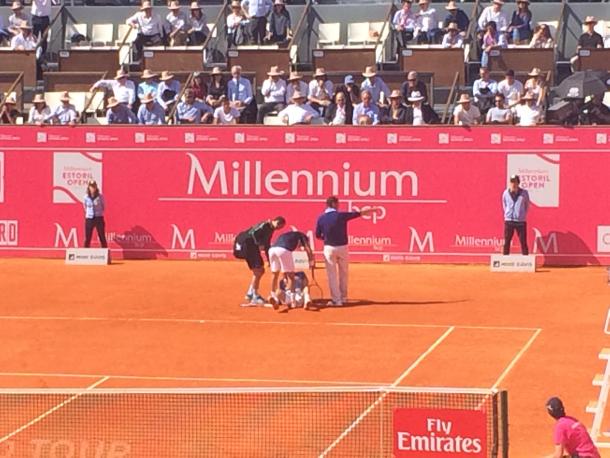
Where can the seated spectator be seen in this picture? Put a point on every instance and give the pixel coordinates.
(453, 38)
(493, 14)
(404, 23)
(295, 84)
(484, 90)
(375, 85)
(225, 114)
(340, 112)
(528, 113)
(40, 113)
(192, 111)
(24, 41)
(298, 112)
(366, 108)
(177, 24)
(17, 18)
(168, 91)
(499, 114)
(588, 40)
(257, 11)
(396, 113)
(239, 91)
(280, 28)
(118, 113)
(457, 16)
(492, 39)
(535, 86)
(510, 88)
(216, 88)
(274, 94)
(418, 112)
(542, 37)
(320, 90)
(426, 29)
(64, 114)
(236, 26)
(199, 88)
(595, 112)
(150, 111)
(466, 114)
(352, 89)
(148, 85)
(123, 89)
(520, 26)
(149, 26)
(9, 113)
(413, 84)
(196, 27)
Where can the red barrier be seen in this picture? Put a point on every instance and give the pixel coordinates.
(185, 192)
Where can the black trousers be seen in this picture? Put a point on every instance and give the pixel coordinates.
(39, 25)
(258, 29)
(267, 108)
(509, 229)
(99, 225)
(146, 40)
(403, 37)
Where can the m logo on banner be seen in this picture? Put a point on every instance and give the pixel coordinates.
(427, 244)
(70, 240)
(545, 244)
(178, 239)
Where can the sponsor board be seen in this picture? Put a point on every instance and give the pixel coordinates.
(603, 239)
(72, 172)
(539, 174)
(88, 256)
(9, 233)
(512, 263)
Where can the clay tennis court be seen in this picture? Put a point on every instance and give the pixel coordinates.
(151, 324)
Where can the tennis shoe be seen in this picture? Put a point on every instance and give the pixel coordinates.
(275, 302)
(248, 297)
(258, 300)
(334, 304)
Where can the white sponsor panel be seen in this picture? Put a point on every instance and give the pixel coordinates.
(9, 233)
(301, 261)
(1, 177)
(539, 174)
(512, 263)
(603, 239)
(71, 173)
(88, 256)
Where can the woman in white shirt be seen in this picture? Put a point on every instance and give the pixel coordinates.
(542, 37)
(225, 114)
(535, 85)
(236, 22)
(197, 27)
(40, 112)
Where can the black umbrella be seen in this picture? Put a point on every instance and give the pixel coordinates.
(581, 85)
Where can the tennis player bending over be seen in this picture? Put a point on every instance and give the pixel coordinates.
(281, 260)
(571, 438)
(248, 245)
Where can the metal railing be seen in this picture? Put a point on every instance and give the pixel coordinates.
(451, 99)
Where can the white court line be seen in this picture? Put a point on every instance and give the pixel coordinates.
(192, 379)
(516, 359)
(607, 326)
(53, 410)
(257, 322)
(383, 395)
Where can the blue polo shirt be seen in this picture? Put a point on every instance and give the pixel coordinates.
(332, 226)
(291, 240)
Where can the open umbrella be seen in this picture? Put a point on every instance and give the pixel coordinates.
(581, 85)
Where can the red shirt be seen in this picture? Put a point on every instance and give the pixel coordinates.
(574, 437)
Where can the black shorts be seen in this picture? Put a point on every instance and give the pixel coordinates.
(245, 248)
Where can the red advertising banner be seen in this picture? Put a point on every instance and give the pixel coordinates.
(180, 192)
(439, 433)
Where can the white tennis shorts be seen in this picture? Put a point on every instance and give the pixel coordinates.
(280, 260)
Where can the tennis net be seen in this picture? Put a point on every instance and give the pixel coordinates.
(253, 422)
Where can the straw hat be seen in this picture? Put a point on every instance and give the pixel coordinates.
(294, 76)
(166, 76)
(453, 26)
(146, 5)
(297, 95)
(112, 102)
(275, 71)
(320, 71)
(195, 6)
(16, 6)
(395, 94)
(10, 100)
(523, 1)
(278, 2)
(147, 74)
(65, 97)
(174, 5)
(24, 25)
(464, 98)
(416, 96)
(498, 2)
(235, 4)
(147, 98)
(121, 74)
(451, 6)
(38, 98)
(369, 72)
(421, 2)
(590, 20)
(535, 72)
(216, 71)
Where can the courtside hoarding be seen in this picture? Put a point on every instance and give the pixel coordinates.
(185, 192)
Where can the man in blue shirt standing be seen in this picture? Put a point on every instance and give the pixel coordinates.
(332, 228)
(515, 202)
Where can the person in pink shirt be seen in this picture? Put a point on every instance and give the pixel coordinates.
(571, 438)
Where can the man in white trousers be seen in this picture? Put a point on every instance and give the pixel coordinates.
(332, 228)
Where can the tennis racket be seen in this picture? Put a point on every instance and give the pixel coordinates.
(315, 290)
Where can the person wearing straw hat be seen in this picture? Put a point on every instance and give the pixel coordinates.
(168, 91)
(239, 92)
(295, 84)
(456, 15)
(535, 85)
(484, 90)
(280, 28)
(9, 113)
(274, 94)
(427, 30)
(41, 19)
(257, 12)
(192, 111)
(590, 39)
(148, 84)
(412, 84)
(341, 111)
(17, 18)
(149, 26)
(225, 114)
(123, 89)
(321, 90)
(570, 436)
(520, 26)
(40, 112)
(64, 114)
(377, 87)
(396, 113)
(465, 113)
(24, 41)
(367, 108)
(453, 38)
(493, 13)
(298, 112)
(176, 22)
(528, 113)
(236, 25)
(404, 23)
(197, 27)
(119, 113)
(419, 113)
(150, 112)
(217, 88)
